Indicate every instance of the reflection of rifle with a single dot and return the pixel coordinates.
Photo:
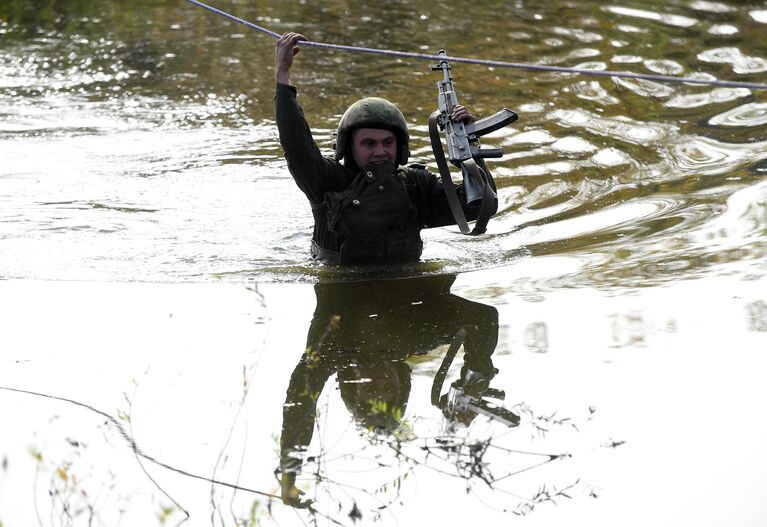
(466, 397)
(458, 405)
(462, 149)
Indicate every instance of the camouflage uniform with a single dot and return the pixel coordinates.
(353, 223)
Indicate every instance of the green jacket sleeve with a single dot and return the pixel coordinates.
(313, 173)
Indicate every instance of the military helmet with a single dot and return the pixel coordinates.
(373, 112)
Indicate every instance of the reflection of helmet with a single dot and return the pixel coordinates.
(376, 394)
(373, 112)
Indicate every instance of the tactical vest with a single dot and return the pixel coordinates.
(375, 218)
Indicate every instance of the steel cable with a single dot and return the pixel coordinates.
(493, 63)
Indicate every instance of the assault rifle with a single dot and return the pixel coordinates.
(467, 397)
(462, 149)
(463, 402)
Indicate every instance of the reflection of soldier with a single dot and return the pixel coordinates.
(364, 332)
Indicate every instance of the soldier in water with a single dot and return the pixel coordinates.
(368, 205)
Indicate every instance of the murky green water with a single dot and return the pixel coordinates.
(138, 139)
(154, 265)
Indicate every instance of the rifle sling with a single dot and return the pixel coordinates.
(447, 182)
(444, 172)
(447, 360)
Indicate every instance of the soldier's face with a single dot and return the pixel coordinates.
(374, 146)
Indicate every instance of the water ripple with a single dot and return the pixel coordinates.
(621, 128)
(752, 114)
(664, 67)
(578, 34)
(665, 18)
(593, 91)
(715, 96)
(711, 7)
(740, 63)
(723, 30)
(702, 155)
(646, 88)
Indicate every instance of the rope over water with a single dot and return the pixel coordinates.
(492, 63)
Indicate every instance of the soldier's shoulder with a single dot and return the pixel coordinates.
(418, 170)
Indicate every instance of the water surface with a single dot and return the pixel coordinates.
(155, 268)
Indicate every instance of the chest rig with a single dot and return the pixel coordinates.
(375, 218)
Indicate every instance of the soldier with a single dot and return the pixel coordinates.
(368, 205)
